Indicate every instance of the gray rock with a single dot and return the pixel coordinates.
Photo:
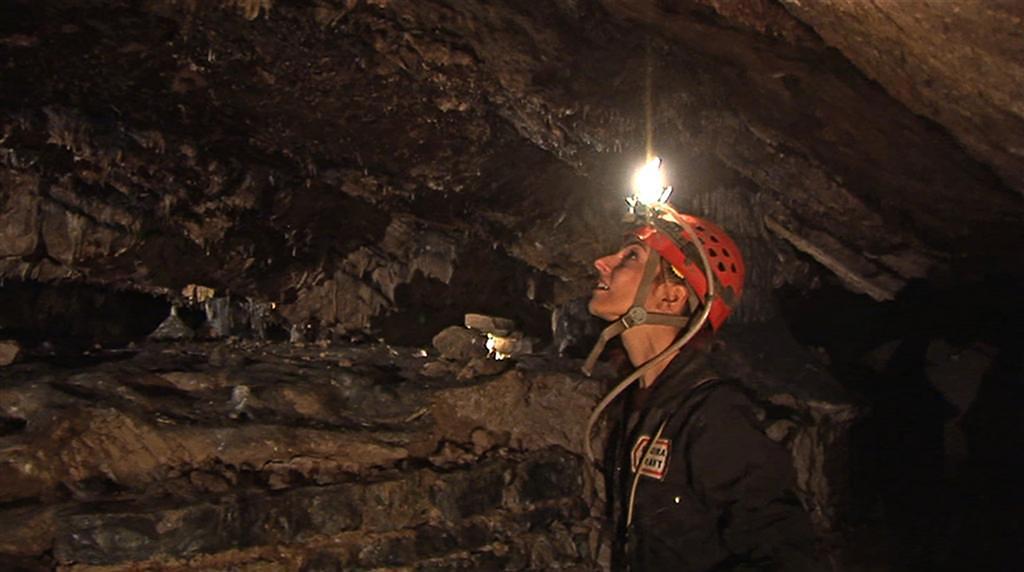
(419, 515)
(218, 317)
(172, 328)
(131, 534)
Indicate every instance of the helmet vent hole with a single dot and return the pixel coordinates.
(714, 238)
(732, 267)
(721, 267)
(712, 253)
(700, 228)
(725, 253)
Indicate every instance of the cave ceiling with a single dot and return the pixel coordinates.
(286, 151)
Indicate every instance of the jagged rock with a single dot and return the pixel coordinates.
(19, 222)
(484, 440)
(9, 352)
(197, 293)
(341, 301)
(108, 445)
(131, 533)
(512, 346)
(27, 531)
(416, 248)
(172, 328)
(218, 317)
(452, 454)
(490, 324)
(858, 273)
(531, 409)
(503, 455)
(481, 110)
(178, 419)
(460, 344)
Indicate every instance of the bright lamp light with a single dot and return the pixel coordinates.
(649, 183)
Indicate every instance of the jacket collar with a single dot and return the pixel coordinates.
(690, 367)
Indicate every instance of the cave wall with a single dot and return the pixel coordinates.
(366, 172)
(248, 455)
(273, 146)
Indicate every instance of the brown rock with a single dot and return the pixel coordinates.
(460, 344)
(484, 440)
(9, 352)
(436, 369)
(535, 410)
(480, 366)
(27, 531)
(110, 445)
(490, 324)
(959, 67)
(341, 300)
(19, 219)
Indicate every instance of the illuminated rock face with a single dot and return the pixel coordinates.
(295, 153)
(237, 453)
(355, 172)
(342, 453)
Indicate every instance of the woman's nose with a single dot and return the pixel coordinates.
(603, 264)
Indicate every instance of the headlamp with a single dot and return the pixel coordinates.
(649, 187)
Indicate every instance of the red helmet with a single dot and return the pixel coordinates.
(723, 254)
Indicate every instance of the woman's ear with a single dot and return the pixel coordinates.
(671, 298)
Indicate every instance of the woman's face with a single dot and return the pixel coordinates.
(619, 276)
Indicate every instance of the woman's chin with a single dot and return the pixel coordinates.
(596, 310)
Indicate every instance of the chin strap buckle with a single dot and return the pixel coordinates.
(634, 317)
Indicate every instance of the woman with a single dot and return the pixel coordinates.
(693, 482)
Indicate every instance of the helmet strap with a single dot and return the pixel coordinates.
(636, 315)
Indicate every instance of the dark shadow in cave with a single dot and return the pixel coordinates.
(75, 316)
(909, 500)
(485, 281)
(991, 492)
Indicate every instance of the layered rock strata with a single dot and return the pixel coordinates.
(246, 456)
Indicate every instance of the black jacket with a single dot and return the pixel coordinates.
(715, 493)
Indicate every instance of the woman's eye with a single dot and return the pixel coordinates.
(632, 255)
